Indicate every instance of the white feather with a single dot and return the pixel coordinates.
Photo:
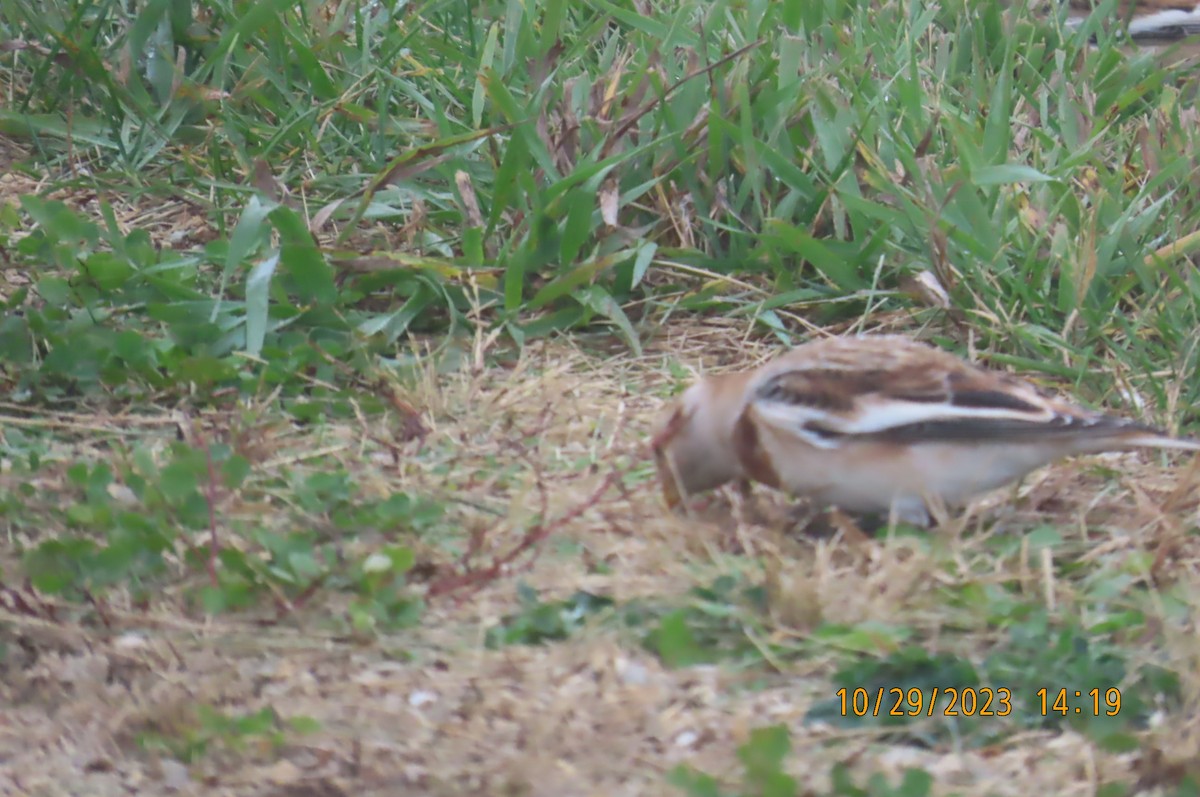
(881, 414)
(1149, 23)
(1164, 19)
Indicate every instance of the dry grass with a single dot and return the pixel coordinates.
(432, 711)
(521, 453)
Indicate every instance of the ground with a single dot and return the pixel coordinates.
(430, 709)
(637, 640)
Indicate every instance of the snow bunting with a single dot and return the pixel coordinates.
(877, 424)
(1151, 22)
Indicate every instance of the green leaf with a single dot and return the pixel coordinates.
(179, 480)
(1117, 742)
(304, 724)
(915, 783)
(486, 60)
(566, 284)
(55, 291)
(763, 755)
(234, 471)
(402, 558)
(515, 160)
(60, 222)
(513, 29)
(696, 784)
(581, 206)
(1008, 173)
(675, 644)
(302, 259)
(597, 299)
(304, 564)
(307, 61)
(823, 259)
(641, 264)
(249, 233)
(107, 270)
(247, 23)
(258, 285)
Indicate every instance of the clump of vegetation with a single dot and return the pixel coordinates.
(764, 755)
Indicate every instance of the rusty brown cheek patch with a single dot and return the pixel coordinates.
(667, 476)
(750, 452)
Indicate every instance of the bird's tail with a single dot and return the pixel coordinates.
(1151, 440)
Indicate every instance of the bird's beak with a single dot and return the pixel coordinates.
(667, 477)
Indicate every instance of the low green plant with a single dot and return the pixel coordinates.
(538, 621)
(710, 627)
(1029, 680)
(152, 520)
(763, 759)
(206, 729)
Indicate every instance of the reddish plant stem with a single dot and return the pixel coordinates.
(210, 498)
(474, 578)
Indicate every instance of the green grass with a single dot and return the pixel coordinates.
(606, 162)
(263, 228)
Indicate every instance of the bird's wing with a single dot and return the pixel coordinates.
(1177, 21)
(1153, 22)
(887, 388)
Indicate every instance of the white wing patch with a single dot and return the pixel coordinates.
(876, 413)
(879, 413)
(1160, 22)
(1172, 17)
(794, 419)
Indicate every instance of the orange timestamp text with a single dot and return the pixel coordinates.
(936, 701)
(1097, 701)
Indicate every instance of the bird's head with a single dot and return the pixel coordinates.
(693, 444)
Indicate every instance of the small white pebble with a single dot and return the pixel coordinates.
(902, 757)
(130, 641)
(377, 563)
(686, 739)
(85, 669)
(121, 494)
(174, 775)
(931, 289)
(632, 673)
(368, 678)
(420, 697)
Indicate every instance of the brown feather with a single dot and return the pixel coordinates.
(835, 374)
(754, 458)
(1139, 7)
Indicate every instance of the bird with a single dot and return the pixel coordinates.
(1151, 23)
(875, 425)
